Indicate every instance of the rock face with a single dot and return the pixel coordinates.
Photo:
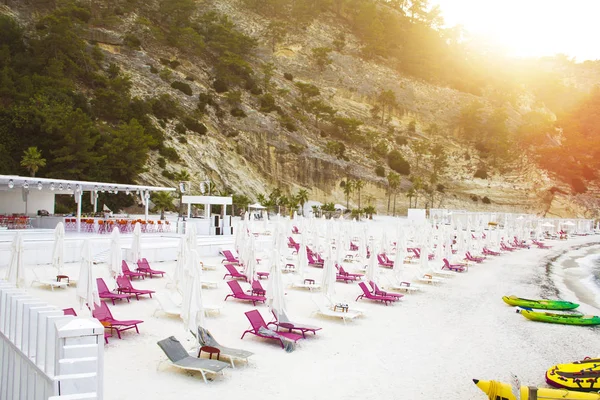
(256, 153)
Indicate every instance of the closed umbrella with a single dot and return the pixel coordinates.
(302, 259)
(136, 253)
(87, 289)
(116, 256)
(275, 294)
(328, 278)
(58, 251)
(191, 236)
(181, 265)
(192, 310)
(16, 273)
(371, 267)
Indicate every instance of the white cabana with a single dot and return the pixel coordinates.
(256, 206)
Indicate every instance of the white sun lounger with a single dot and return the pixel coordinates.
(329, 312)
(47, 281)
(423, 276)
(404, 285)
(166, 304)
(309, 286)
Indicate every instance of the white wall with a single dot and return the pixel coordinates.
(11, 201)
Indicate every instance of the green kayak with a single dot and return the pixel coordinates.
(540, 304)
(566, 319)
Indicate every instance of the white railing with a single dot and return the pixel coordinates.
(45, 354)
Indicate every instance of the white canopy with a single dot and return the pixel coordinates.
(257, 206)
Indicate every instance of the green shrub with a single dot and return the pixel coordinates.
(441, 188)
(132, 41)
(380, 171)
(164, 107)
(183, 87)
(220, 86)
(189, 78)
(168, 174)
(481, 173)
(398, 163)
(486, 200)
(174, 64)
(165, 74)
(169, 153)
(164, 61)
(288, 76)
(152, 69)
(267, 103)
(401, 140)
(238, 113)
(195, 126)
(296, 148)
(474, 198)
(182, 139)
(162, 163)
(180, 128)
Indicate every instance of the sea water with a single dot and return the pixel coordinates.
(589, 274)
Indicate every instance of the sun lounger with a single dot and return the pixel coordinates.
(309, 284)
(342, 271)
(257, 288)
(383, 262)
(39, 279)
(144, 268)
(126, 287)
(205, 338)
(380, 292)
(166, 304)
(423, 276)
(238, 293)
(489, 252)
(312, 261)
(260, 329)
(234, 273)
(107, 294)
(282, 321)
(471, 258)
(541, 245)
(104, 315)
(181, 359)
(129, 273)
(229, 258)
(454, 267)
(327, 311)
(371, 296)
(406, 286)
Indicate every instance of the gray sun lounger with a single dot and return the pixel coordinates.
(181, 359)
(205, 338)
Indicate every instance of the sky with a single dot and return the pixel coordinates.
(531, 28)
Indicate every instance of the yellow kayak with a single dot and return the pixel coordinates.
(500, 390)
(580, 375)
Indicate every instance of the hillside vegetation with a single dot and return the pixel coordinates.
(368, 102)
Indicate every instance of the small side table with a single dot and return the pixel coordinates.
(59, 278)
(262, 275)
(210, 350)
(285, 325)
(341, 307)
(309, 281)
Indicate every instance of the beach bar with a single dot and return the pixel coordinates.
(24, 196)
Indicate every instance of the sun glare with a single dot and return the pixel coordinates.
(530, 28)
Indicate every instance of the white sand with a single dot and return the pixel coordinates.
(428, 346)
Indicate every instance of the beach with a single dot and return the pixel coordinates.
(429, 345)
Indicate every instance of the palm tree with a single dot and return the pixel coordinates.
(302, 198)
(32, 160)
(181, 176)
(359, 184)
(163, 201)
(369, 211)
(394, 183)
(348, 189)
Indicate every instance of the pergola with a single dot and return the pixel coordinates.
(27, 185)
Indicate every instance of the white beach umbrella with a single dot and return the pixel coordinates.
(192, 310)
(372, 265)
(15, 273)
(116, 255)
(136, 243)
(275, 293)
(191, 236)
(302, 264)
(87, 288)
(328, 278)
(384, 246)
(58, 251)
(182, 263)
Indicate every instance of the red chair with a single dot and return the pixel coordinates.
(238, 293)
(257, 322)
(104, 315)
